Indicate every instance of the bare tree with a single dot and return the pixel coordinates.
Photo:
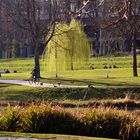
(120, 19)
(117, 19)
(36, 18)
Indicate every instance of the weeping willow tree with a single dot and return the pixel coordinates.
(69, 49)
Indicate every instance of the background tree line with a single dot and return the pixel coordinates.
(35, 21)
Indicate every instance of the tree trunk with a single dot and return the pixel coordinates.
(72, 63)
(37, 63)
(72, 54)
(135, 73)
(56, 64)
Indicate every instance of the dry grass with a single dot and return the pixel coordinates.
(98, 122)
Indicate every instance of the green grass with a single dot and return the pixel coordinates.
(16, 93)
(118, 78)
(47, 136)
(121, 62)
(120, 81)
(27, 64)
(19, 64)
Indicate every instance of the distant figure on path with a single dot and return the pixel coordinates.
(34, 74)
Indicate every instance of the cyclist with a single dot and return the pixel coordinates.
(34, 74)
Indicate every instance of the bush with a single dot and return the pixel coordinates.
(44, 119)
(97, 122)
(10, 119)
(111, 123)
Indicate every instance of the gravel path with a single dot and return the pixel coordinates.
(26, 83)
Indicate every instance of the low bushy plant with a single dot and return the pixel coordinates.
(44, 119)
(97, 122)
(111, 123)
(10, 119)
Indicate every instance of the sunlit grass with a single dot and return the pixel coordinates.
(118, 78)
(47, 136)
(121, 76)
(97, 77)
(16, 93)
(27, 64)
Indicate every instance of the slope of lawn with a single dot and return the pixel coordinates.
(47, 136)
(16, 93)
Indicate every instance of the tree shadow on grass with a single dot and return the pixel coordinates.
(67, 81)
(3, 85)
(70, 81)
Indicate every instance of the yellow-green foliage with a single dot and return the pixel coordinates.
(69, 49)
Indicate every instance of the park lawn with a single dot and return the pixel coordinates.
(121, 77)
(48, 136)
(120, 62)
(19, 64)
(16, 93)
(27, 64)
(118, 77)
(19, 93)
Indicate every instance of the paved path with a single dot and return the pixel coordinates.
(26, 83)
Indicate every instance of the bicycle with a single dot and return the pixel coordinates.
(34, 80)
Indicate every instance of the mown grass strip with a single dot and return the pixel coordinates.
(18, 93)
(48, 136)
